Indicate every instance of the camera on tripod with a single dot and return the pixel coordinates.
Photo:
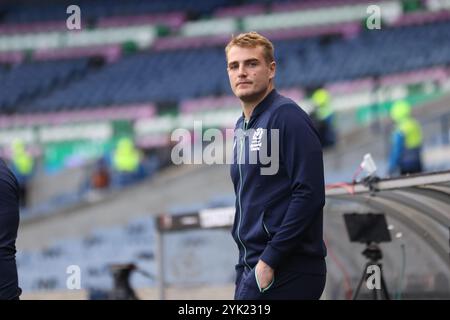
(371, 229)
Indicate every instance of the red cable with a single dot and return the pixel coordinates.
(348, 289)
(350, 188)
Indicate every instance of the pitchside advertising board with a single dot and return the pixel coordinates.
(204, 219)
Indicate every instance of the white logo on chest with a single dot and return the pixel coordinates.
(256, 140)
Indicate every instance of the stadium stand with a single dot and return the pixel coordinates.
(302, 63)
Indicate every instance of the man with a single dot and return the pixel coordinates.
(9, 223)
(127, 162)
(406, 145)
(278, 224)
(323, 117)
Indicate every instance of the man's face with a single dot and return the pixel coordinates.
(249, 73)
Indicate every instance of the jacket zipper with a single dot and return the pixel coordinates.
(239, 195)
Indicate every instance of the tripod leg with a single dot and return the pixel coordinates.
(375, 294)
(363, 277)
(383, 285)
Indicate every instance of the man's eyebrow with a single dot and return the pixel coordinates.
(245, 61)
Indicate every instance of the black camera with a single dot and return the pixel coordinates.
(367, 228)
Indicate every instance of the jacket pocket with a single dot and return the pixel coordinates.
(264, 226)
(260, 231)
(262, 290)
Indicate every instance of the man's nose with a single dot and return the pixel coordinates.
(242, 72)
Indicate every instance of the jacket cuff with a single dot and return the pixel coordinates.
(271, 256)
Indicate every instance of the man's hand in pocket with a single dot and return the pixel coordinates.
(264, 274)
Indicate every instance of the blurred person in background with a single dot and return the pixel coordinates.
(406, 145)
(278, 225)
(127, 162)
(22, 164)
(323, 117)
(100, 176)
(9, 224)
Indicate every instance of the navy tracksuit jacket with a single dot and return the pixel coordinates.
(279, 217)
(9, 223)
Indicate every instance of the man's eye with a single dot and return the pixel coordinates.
(232, 67)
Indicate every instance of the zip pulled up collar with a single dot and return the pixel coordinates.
(260, 108)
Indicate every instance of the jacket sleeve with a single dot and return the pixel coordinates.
(301, 153)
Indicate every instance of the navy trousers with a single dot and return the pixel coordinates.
(287, 285)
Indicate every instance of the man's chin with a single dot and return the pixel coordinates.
(247, 96)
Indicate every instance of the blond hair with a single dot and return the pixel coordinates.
(252, 40)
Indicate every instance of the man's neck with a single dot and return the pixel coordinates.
(249, 106)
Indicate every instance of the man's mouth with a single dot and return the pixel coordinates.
(243, 82)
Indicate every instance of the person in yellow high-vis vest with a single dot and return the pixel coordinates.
(22, 166)
(126, 161)
(323, 117)
(406, 148)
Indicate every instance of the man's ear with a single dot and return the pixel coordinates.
(272, 68)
